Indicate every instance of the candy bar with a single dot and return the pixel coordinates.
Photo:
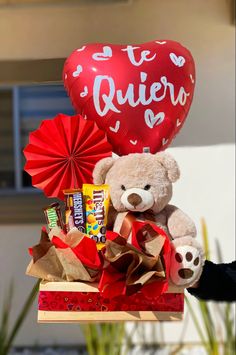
(74, 210)
(53, 215)
(96, 199)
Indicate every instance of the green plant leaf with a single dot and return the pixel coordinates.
(209, 326)
(209, 334)
(219, 252)
(104, 338)
(120, 337)
(196, 323)
(21, 317)
(5, 318)
(205, 238)
(87, 332)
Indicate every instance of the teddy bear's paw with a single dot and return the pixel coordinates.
(186, 263)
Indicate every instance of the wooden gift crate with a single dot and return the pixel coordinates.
(76, 302)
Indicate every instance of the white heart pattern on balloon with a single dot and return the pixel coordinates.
(77, 72)
(104, 55)
(178, 61)
(153, 120)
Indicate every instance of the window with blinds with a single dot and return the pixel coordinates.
(37, 103)
(22, 108)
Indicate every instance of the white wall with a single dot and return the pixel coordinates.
(206, 189)
(53, 31)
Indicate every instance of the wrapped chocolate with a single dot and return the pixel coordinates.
(75, 216)
(53, 215)
(96, 200)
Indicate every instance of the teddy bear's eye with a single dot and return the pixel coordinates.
(123, 187)
(147, 187)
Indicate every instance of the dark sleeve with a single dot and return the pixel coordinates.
(217, 282)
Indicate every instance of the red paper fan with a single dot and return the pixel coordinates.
(62, 153)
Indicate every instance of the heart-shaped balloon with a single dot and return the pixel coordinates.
(139, 94)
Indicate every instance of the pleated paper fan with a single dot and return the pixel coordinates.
(62, 153)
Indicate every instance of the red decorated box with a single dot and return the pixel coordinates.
(82, 302)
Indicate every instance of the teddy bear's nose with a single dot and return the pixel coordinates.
(134, 199)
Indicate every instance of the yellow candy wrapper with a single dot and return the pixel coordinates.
(96, 201)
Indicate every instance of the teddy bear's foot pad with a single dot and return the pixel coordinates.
(186, 262)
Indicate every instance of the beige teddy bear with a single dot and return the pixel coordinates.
(142, 184)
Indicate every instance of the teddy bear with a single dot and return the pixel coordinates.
(141, 188)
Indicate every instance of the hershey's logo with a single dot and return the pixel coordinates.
(78, 209)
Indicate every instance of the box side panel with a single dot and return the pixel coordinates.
(94, 301)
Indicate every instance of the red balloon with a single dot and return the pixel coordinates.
(139, 94)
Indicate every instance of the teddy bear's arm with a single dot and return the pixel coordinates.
(178, 223)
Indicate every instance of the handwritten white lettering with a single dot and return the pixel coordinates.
(107, 99)
(116, 97)
(144, 55)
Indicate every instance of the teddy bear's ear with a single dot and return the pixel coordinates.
(170, 165)
(101, 169)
